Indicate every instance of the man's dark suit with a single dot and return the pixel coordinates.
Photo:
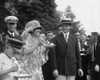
(47, 67)
(3, 39)
(97, 59)
(97, 55)
(67, 59)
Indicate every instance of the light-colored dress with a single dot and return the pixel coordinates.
(34, 60)
(6, 63)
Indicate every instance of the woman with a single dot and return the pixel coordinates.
(34, 50)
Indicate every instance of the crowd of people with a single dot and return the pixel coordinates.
(36, 55)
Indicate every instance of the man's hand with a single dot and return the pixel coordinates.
(80, 72)
(55, 73)
(97, 68)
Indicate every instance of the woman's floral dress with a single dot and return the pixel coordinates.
(35, 60)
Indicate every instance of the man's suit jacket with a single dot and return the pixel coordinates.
(91, 53)
(3, 39)
(67, 58)
(97, 54)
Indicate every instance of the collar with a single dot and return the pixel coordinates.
(4, 56)
(11, 33)
(66, 34)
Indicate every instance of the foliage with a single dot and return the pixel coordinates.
(77, 24)
(42, 10)
(26, 10)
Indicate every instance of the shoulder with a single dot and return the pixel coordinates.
(2, 34)
(2, 37)
(2, 55)
(73, 36)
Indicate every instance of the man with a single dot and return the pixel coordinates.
(67, 60)
(11, 30)
(59, 29)
(7, 67)
(96, 75)
(83, 53)
(77, 34)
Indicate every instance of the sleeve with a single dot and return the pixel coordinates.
(1, 63)
(78, 55)
(52, 53)
(24, 35)
(97, 54)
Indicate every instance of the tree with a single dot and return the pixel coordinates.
(3, 13)
(26, 10)
(77, 24)
(42, 10)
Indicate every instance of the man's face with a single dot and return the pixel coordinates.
(11, 26)
(60, 30)
(66, 28)
(77, 35)
(50, 36)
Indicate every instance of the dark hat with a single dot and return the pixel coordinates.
(15, 43)
(66, 21)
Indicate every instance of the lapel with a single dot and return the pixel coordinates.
(62, 39)
(10, 34)
(70, 40)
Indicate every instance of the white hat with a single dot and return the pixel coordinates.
(11, 19)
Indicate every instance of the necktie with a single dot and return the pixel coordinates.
(12, 34)
(66, 38)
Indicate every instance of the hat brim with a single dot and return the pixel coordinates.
(66, 22)
(18, 50)
(38, 27)
(11, 21)
(15, 43)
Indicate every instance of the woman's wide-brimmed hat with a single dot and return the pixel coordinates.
(34, 24)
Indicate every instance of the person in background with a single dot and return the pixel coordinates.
(10, 30)
(67, 61)
(78, 36)
(92, 58)
(59, 29)
(47, 67)
(7, 67)
(50, 35)
(83, 53)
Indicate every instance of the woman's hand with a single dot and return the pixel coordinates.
(29, 29)
(14, 68)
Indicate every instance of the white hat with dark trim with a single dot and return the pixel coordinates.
(11, 19)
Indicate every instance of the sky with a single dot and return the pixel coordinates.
(86, 11)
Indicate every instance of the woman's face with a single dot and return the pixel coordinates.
(37, 32)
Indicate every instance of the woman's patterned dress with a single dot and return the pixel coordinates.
(35, 60)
